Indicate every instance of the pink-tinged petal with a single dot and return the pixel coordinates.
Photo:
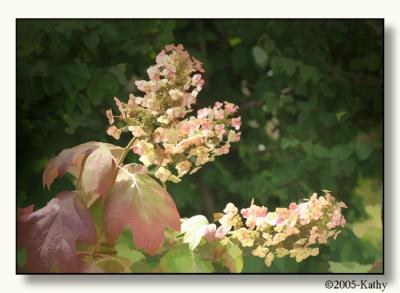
(218, 105)
(209, 232)
(110, 116)
(236, 123)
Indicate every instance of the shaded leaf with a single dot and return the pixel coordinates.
(341, 152)
(98, 174)
(307, 146)
(285, 64)
(50, 234)
(309, 73)
(139, 202)
(260, 56)
(363, 150)
(71, 160)
(321, 151)
(91, 39)
(289, 142)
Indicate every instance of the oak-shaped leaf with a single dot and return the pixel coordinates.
(72, 160)
(137, 201)
(98, 174)
(51, 233)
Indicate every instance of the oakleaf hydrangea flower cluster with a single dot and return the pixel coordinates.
(165, 135)
(292, 231)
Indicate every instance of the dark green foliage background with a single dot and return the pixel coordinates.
(310, 94)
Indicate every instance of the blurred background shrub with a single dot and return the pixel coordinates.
(310, 94)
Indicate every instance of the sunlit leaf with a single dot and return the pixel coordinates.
(183, 260)
(194, 228)
(137, 201)
(125, 251)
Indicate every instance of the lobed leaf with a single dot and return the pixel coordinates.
(124, 251)
(72, 160)
(183, 260)
(137, 201)
(98, 174)
(50, 234)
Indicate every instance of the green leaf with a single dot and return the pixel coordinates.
(363, 150)
(233, 257)
(141, 267)
(91, 39)
(96, 211)
(84, 104)
(321, 151)
(341, 152)
(307, 146)
(103, 86)
(182, 260)
(235, 41)
(348, 166)
(309, 73)
(21, 256)
(125, 238)
(289, 142)
(341, 115)
(372, 62)
(260, 56)
(111, 264)
(124, 251)
(287, 65)
(348, 267)
(327, 119)
(269, 45)
(52, 86)
(272, 101)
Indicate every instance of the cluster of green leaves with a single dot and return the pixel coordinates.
(310, 94)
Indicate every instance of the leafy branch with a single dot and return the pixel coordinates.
(111, 196)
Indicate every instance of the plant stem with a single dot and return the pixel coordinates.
(126, 150)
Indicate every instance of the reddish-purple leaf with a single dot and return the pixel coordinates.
(137, 201)
(98, 174)
(50, 234)
(71, 160)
